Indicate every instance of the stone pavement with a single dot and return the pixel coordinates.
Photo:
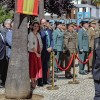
(82, 91)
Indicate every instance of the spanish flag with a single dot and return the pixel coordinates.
(29, 7)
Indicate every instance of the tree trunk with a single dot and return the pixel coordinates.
(18, 82)
(41, 9)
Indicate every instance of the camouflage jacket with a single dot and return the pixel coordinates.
(70, 41)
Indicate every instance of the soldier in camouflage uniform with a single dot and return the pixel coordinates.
(70, 46)
(75, 27)
(92, 33)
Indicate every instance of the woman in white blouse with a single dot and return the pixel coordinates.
(35, 48)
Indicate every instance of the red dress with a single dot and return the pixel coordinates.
(35, 64)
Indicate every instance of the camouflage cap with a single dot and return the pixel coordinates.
(70, 24)
(74, 23)
(92, 22)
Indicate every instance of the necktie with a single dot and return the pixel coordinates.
(47, 39)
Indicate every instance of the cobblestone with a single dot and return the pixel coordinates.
(82, 91)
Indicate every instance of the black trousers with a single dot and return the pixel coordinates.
(66, 56)
(3, 69)
(97, 90)
(45, 64)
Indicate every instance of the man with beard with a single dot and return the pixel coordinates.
(46, 35)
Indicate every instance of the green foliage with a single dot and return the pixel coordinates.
(4, 14)
(97, 1)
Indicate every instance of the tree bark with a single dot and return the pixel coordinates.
(18, 82)
(41, 9)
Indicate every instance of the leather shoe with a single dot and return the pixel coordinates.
(40, 84)
(69, 76)
(83, 73)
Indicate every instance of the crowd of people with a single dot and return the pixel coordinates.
(43, 38)
(64, 40)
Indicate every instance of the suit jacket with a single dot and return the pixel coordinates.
(83, 40)
(58, 37)
(2, 48)
(96, 57)
(91, 32)
(32, 41)
(3, 31)
(8, 43)
(70, 41)
(47, 39)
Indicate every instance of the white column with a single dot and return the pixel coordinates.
(79, 2)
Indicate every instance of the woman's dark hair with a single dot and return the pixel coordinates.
(34, 24)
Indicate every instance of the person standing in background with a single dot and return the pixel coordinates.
(8, 51)
(83, 45)
(9, 42)
(75, 27)
(35, 48)
(92, 33)
(3, 61)
(96, 64)
(46, 35)
(70, 46)
(4, 31)
(58, 38)
(6, 27)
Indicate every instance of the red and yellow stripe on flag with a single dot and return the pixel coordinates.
(29, 7)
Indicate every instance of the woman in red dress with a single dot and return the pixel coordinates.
(34, 48)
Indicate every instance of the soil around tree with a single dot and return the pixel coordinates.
(34, 97)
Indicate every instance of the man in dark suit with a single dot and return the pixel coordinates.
(96, 63)
(3, 61)
(47, 40)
